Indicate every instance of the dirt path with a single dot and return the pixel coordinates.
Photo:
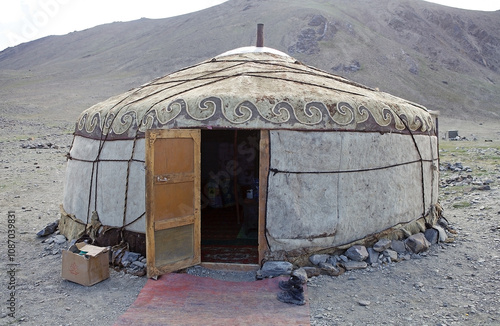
(455, 283)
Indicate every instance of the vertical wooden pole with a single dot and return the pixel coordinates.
(263, 174)
(150, 243)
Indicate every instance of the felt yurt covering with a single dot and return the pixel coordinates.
(346, 161)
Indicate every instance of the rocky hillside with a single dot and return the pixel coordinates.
(446, 59)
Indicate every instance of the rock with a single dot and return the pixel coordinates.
(417, 243)
(331, 270)
(312, 271)
(48, 229)
(415, 256)
(343, 259)
(441, 233)
(116, 256)
(138, 264)
(413, 66)
(317, 20)
(59, 239)
(443, 222)
(334, 260)
(131, 256)
(393, 255)
(136, 271)
(405, 256)
(316, 259)
(357, 253)
(382, 245)
(351, 265)
(364, 303)
(301, 274)
(398, 246)
(372, 256)
(275, 268)
(432, 235)
(307, 43)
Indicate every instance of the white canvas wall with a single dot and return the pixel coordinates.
(303, 209)
(329, 209)
(111, 182)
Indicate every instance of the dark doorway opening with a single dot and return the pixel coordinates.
(229, 196)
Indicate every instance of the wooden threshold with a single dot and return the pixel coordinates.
(231, 267)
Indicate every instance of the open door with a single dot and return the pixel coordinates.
(172, 200)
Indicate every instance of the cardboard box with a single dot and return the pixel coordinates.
(87, 269)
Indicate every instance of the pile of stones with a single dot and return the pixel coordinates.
(46, 145)
(455, 167)
(55, 244)
(131, 262)
(460, 179)
(384, 251)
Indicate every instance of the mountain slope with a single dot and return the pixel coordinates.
(446, 59)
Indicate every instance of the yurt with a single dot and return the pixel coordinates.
(247, 157)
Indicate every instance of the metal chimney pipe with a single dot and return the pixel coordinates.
(260, 35)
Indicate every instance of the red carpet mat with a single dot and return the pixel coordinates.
(183, 299)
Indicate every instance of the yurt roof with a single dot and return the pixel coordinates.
(252, 88)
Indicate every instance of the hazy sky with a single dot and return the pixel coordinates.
(25, 20)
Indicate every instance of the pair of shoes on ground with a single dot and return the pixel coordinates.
(293, 292)
(292, 282)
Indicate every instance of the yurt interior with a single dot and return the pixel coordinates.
(229, 199)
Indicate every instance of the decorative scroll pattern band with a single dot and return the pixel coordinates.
(370, 115)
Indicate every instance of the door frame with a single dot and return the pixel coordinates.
(264, 157)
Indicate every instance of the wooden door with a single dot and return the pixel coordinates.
(173, 191)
